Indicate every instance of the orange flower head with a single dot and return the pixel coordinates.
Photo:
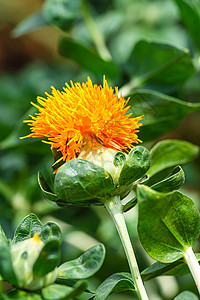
(82, 115)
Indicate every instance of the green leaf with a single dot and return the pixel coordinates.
(177, 268)
(167, 66)
(169, 153)
(48, 259)
(6, 267)
(31, 23)
(87, 58)
(27, 228)
(22, 295)
(3, 238)
(58, 291)
(82, 182)
(135, 166)
(84, 266)
(191, 17)
(171, 183)
(61, 13)
(168, 223)
(51, 231)
(118, 282)
(186, 295)
(46, 189)
(162, 113)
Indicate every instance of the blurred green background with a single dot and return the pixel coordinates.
(31, 63)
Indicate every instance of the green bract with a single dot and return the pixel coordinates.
(79, 180)
(82, 182)
(135, 166)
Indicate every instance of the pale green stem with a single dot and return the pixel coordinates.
(193, 265)
(95, 34)
(114, 208)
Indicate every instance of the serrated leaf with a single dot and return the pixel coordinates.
(115, 283)
(31, 23)
(27, 228)
(136, 165)
(87, 58)
(51, 231)
(84, 266)
(191, 17)
(162, 113)
(83, 182)
(169, 153)
(168, 65)
(168, 223)
(186, 295)
(177, 268)
(48, 258)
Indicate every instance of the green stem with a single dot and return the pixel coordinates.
(95, 34)
(193, 265)
(114, 208)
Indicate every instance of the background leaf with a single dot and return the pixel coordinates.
(168, 65)
(115, 283)
(61, 13)
(169, 153)
(84, 266)
(189, 11)
(186, 295)
(162, 113)
(33, 22)
(87, 58)
(168, 223)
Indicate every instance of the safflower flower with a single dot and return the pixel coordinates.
(84, 116)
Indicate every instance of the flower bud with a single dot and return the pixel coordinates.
(107, 158)
(24, 255)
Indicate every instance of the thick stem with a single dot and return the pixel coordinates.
(114, 208)
(193, 265)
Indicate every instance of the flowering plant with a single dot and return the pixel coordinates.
(99, 164)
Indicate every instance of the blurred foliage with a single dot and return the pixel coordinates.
(150, 49)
